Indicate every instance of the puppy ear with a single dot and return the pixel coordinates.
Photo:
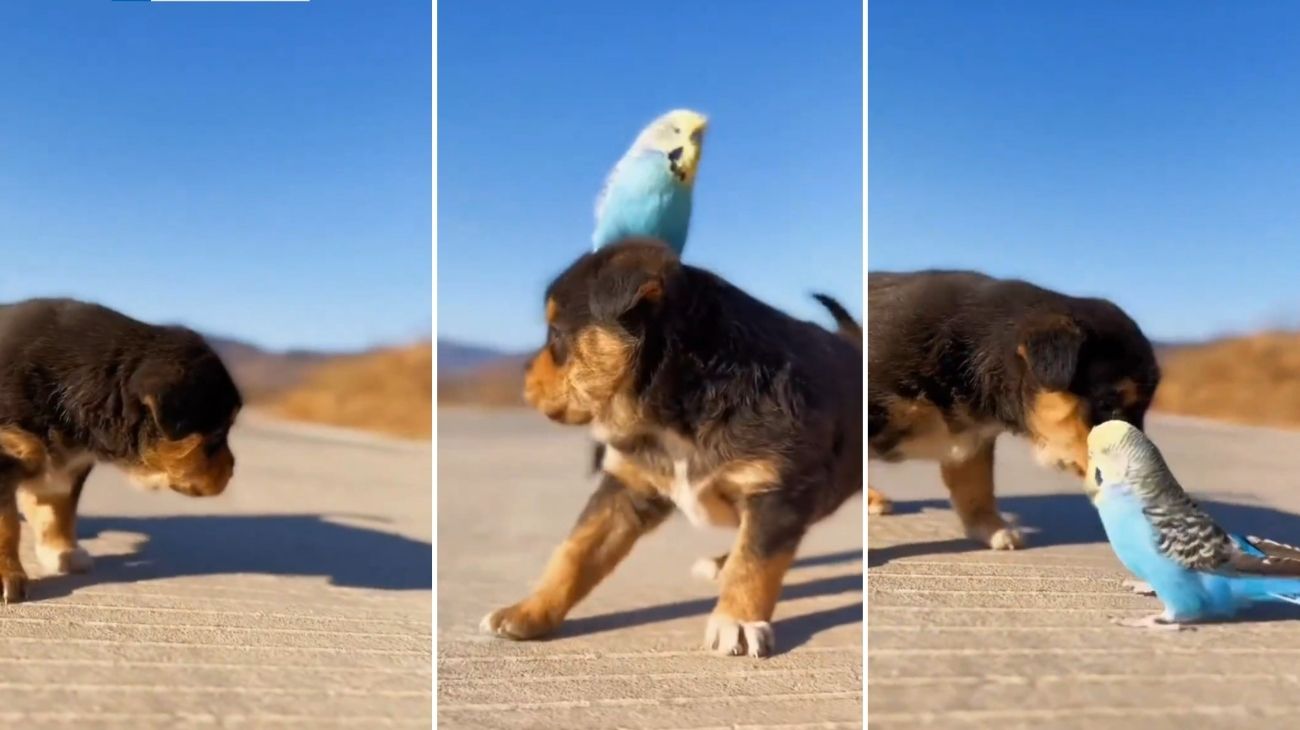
(1049, 345)
(634, 283)
(150, 385)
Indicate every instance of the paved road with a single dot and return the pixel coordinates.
(967, 638)
(300, 598)
(509, 486)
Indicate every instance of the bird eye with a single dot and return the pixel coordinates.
(677, 130)
(1096, 476)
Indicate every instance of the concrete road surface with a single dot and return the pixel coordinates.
(961, 637)
(510, 485)
(299, 598)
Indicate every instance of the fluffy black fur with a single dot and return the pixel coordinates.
(82, 373)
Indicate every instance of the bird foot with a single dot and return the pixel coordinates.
(1154, 621)
(1140, 587)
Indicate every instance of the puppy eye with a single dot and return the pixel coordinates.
(1096, 476)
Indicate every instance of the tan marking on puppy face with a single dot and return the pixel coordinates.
(585, 384)
(26, 448)
(551, 309)
(1058, 426)
(185, 466)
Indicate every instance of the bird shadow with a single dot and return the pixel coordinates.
(306, 545)
(791, 632)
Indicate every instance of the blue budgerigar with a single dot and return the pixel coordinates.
(1199, 571)
(649, 191)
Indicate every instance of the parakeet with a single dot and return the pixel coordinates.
(1198, 571)
(648, 193)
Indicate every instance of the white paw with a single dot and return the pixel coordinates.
(61, 562)
(1006, 538)
(1140, 587)
(729, 637)
(705, 569)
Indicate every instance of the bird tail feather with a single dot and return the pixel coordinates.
(1286, 590)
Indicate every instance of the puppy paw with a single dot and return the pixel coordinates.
(707, 568)
(13, 586)
(997, 535)
(731, 637)
(1007, 538)
(64, 561)
(520, 622)
(878, 504)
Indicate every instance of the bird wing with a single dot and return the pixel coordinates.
(1188, 535)
(1256, 555)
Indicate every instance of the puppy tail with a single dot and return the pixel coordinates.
(849, 327)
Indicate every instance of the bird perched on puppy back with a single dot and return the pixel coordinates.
(649, 191)
(1198, 570)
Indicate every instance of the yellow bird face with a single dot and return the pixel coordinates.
(679, 134)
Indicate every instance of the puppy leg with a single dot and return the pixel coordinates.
(53, 517)
(613, 519)
(877, 503)
(770, 531)
(13, 578)
(970, 483)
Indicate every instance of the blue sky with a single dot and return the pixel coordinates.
(256, 170)
(1145, 151)
(536, 101)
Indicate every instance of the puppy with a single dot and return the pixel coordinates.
(956, 358)
(81, 384)
(709, 402)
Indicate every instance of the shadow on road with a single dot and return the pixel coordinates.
(1070, 519)
(797, 629)
(290, 545)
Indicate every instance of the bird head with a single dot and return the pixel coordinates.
(679, 135)
(1120, 456)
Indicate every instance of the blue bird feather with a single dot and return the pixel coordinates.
(644, 198)
(1199, 571)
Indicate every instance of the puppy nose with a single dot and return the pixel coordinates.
(675, 155)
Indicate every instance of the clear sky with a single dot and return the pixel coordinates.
(536, 101)
(1145, 151)
(255, 170)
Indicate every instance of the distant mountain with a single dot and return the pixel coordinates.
(261, 373)
(456, 356)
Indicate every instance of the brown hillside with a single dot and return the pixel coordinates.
(498, 384)
(389, 391)
(1253, 380)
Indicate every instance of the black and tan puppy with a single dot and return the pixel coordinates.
(709, 402)
(81, 384)
(956, 358)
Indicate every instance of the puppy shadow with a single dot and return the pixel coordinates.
(846, 556)
(301, 545)
(791, 632)
(1070, 519)
(880, 556)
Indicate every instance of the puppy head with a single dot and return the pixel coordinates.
(190, 403)
(1086, 364)
(598, 313)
